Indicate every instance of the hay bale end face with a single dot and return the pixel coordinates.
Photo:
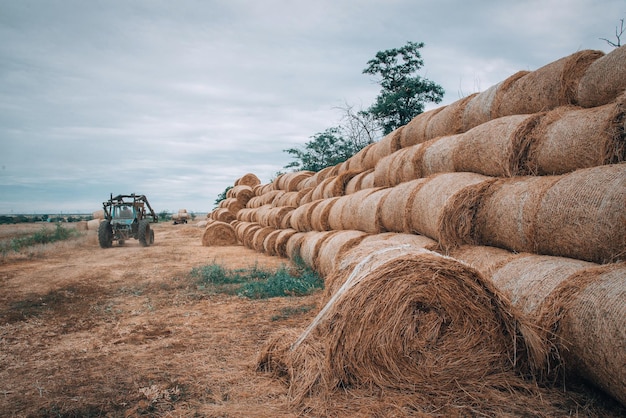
(421, 323)
(219, 234)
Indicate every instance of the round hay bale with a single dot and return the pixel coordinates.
(603, 80)
(496, 148)
(233, 204)
(318, 191)
(354, 185)
(276, 216)
(93, 224)
(247, 238)
(570, 138)
(449, 120)
(333, 249)
(269, 243)
(582, 215)
(444, 207)
(248, 180)
(310, 247)
(357, 161)
(259, 237)
(506, 215)
(414, 132)
(550, 86)
(301, 216)
(350, 206)
(483, 258)
(247, 215)
(280, 244)
(528, 279)
(99, 214)
(292, 247)
(368, 217)
(219, 234)
(385, 170)
(223, 215)
(389, 144)
(320, 214)
(204, 223)
(291, 181)
(587, 315)
(242, 193)
(391, 239)
(409, 164)
(336, 186)
(478, 109)
(367, 182)
(436, 156)
(418, 322)
(394, 208)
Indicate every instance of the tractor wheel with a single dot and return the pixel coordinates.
(151, 236)
(105, 234)
(144, 233)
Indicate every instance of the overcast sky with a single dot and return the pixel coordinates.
(178, 99)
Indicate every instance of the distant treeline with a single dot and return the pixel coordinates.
(17, 219)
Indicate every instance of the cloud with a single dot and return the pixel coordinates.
(177, 100)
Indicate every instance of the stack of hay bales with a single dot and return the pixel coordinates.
(520, 188)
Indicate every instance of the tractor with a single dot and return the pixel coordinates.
(126, 217)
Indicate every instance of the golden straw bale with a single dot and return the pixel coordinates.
(248, 180)
(529, 278)
(318, 191)
(394, 208)
(436, 156)
(223, 215)
(385, 170)
(357, 161)
(259, 237)
(311, 244)
(478, 109)
(368, 218)
(421, 323)
(93, 224)
(301, 216)
(604, 79)
(444, 207)
(550, 86)
(354, 185)
(219, 234)
(333, 249)
(274, 216)
(367, 182)
(582, 215)
(414, 132)
(506, 215)
(408, 164)
(450, 120)
(320, 214)
(280, 244)
(587, 314)
(232, 204)
(248, 235)
(269, 243)
(242, 193)
(293, 244)
(291, 181)
(570, 138)
(496, 148)
(247, 215)
(99, 214)
(389, 144)
(483, 258)
(350, 206)
(337, 185)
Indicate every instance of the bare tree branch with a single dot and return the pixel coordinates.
(618, 35)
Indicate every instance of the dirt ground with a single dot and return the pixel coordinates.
(124, 331)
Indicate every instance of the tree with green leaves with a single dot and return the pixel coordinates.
(403, 92)
(326, 149)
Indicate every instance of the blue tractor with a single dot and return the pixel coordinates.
(126, 217)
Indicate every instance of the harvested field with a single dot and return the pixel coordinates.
(120, 332)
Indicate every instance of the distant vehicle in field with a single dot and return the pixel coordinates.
(125, 217)
(181, 217)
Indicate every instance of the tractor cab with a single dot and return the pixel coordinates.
(123, 214)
